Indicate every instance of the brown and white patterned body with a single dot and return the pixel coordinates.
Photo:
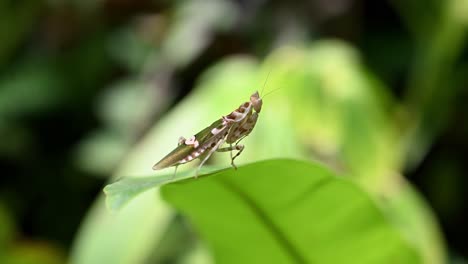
(244, 119)
(230, 129)
(218, 133)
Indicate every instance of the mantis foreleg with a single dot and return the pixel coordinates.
(240, 148)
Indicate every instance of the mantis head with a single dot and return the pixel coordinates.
(256, 101)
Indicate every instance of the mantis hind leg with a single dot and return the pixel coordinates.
(230, 152)
(207, 156)
(175, 172)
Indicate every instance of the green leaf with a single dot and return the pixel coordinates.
(287, 211)
(122, 191)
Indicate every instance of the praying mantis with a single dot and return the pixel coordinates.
(230, 129)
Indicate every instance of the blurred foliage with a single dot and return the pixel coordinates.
(13, 251)
(430, 88)
(306, 95)
(371, 90)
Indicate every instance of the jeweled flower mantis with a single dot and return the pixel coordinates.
(229, 129)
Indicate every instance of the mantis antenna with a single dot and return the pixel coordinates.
(264, 84)
(271, 91)
(266, 80)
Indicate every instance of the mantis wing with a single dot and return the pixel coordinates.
(183, 150)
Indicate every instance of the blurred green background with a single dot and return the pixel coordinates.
(94, 91)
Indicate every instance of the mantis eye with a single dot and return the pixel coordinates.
(256, 101)
(257, 105)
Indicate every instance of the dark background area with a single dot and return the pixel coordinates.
(63, 52)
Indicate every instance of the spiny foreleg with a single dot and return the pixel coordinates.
(239, 148)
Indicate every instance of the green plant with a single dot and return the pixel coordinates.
(331, 110)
